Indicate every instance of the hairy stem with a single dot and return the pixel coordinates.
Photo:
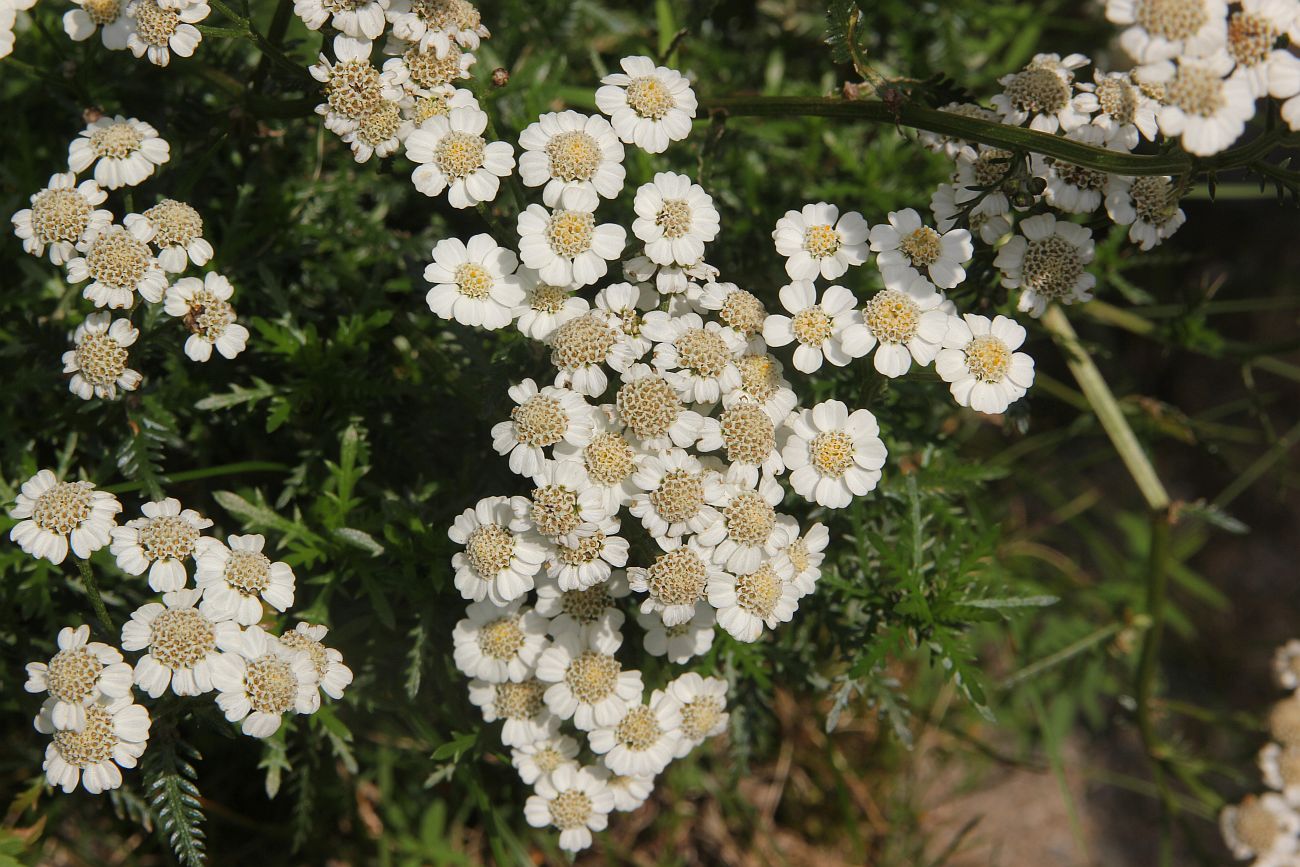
(96, 600)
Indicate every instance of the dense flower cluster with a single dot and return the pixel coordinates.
(139, 259)
(192, 640)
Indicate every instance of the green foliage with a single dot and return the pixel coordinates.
(170, 785)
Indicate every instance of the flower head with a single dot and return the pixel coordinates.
(159, 542)
(980, 362)
(182, 638)
(117, 266)
(818, 327)
(77, 676)
(575, 158)
(204, 305)
(236, 580)
(98, 358)
(176, 229)
(61, 217)
(475, 283)
(675, 218)
(123, 151)
(575, 801)
(54, 515)
(162, 28)
(1048, 262)
(113, 736)
(501, 553)
(259, 679)
(498, 644)
(818, 241)
(907, 248)
(833, 454)
(568, 247)
(453, 156)
(649, 106)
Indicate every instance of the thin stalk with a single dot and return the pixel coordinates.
(1262, 465)
(1157, 582)
(205, 473)
(1033, 669)
(96, 600)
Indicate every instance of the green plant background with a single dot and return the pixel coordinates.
(997, 574)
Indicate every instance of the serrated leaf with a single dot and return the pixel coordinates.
(360, 539)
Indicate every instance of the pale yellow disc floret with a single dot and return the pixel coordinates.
(101, 359)
(570, 233)
(63, 508)
(168, 537)
(592, 676)
(648, 97)
(831, 453)
(987, 358)
(60, 215)
(270, 684)
(1052, 267)
(459, 154)
(90, 746)
(678, 577)
(73, 674)
(502, 638)
(892, 316)
(573, 156)
(639, 729)
(181, 638)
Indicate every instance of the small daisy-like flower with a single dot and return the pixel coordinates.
(379, 132)
(761, 383)
(586, 682)
(582, 347)
(91, 15)
(453, 156)
(419, 107)
(54, 515)
(944, 205)
(1162, 29)
(675, 218)
(204, 305)
(543, 757)
(649, 106)
(676, 582)
(746, 603)
(475, 283)
(565, 507)
(1286, 665)
(678, 496)
(682, 642)
(609, 459)
(99, 357)
(625, 306)
(800, 562)
(422, 69)
(114, 736)
(748, 434)
(499, 644)
(817, 326)
(981, 365)
(902, 325)
(437, 23)
(750, 530)
(332, 674)
(117, 266)
(630, 791)
(589, 560)
(259, 680)
(573, 800)
(541, 419)
(908, 248)
(176, 229)
(1070, 188)
(1124, 111)
(643, 741)
(568, 247)
(353, 87)
(576, 158)
(236, 580)
(76, 676)
(1284, 721)
(834, 455)
(360, 19)
(1148, 205)
(739, 310)
(1203, 106)
(697, 357)
(703, 702)
(653, 412)
(182, 642)
(980, 175)
(525, 717)
(671, 280)
(501, 556)
(545, 307)
(1043, 94)
(124, 152)
(582, 608)
(1047, 260)
(1263, 827)
(818, 241)
(1280, 768)
(161, 30)
(61, 217)
(160, 542)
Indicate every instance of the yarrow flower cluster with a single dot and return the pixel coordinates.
(191, 641)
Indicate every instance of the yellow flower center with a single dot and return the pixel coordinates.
(117, 140)
(175, 224)
(270, 684)
(502, 638)
(608, 459)
(154, 24)
(489, 549)
(570, 232)
(759, 591)
(101, 359)
(674, 218)
(679, 496)
(581, 342)
(1197, 90)
(700, 716)
(118, 260)
(743, 312)
(703, 352)
(1172, 19)
(821, 241)
(1052, 267)
(574, 156)
(555, 510)
(748, 434)
(812, 327)
(648, 97)
(90, 746)
(892, 316)
(63, 508)
(473, 281)
(354, 88)
(248, 572)
(987, 358)
(1039, 89)
(639, 729)
(168, 537)
(570, 809)
(60, 215)
(831, 453)
(592, 676)
(750, 518)
(521, 701)
(921, 247)
(181, 638)
(678, 577)
(459, 154)
(648, 406)
(540, 421)
(73, 674)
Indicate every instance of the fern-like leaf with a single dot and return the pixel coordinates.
(174, 797)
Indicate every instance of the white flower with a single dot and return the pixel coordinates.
(176, 229)
(587, 683)
(124, 152)
(1202, 107)
(625, 306)
(746, 603)
(589, 561)
(182, 642)
(681, 642)
(436, 23)
(90, 15)
(697, 357)
(1148, 205)
(990, 227)
(568, 247)
(419, 106)
(499, 644)
(1263, 827)
(541, 758)
(519, 706)
(908, 248)
(1047, 260)
(678, 496)
(676, 581)
(800, 562)
(750, 530)
(333, 675)
(902, 324)
(76, 676)
(259, 680)
(114, 736)
(1070, 188)
(378, 132)
(648, 105)
(1163, 29)
(454, 156)
(817, 240)
(161, 29)
(703, 702)
(575, 157)
(675, 218)
(609, 459)
(360, 19)
(475, 283)
(980, 362)
(545, 307)
(61, 217)
(980, 175)
(236, 580)
(99, 357)
(834, 455)
(8, 17)
(1124, 111)
(541, 419)
(818, 327)
(501, 556)
(53, 514)
(573, 800)
(643, 741)
(739, 310)
(159, 542)
(653, 412)
(420, 70)
(118, 266)
(747, 432)
(630, 792)
(761, 383)
(582, 346)
(204, 305)
(1280, 767)
(1286, 665)
(671, 280)
(353, 87)
(582, 608)
(565, 507)
(1043, 94)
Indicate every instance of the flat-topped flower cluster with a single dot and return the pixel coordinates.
(191, 641)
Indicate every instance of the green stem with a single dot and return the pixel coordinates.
(1033, 669)
(96, 600)
(1157, 584)
(1262, 465)
(205, 473)
(992, 133)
